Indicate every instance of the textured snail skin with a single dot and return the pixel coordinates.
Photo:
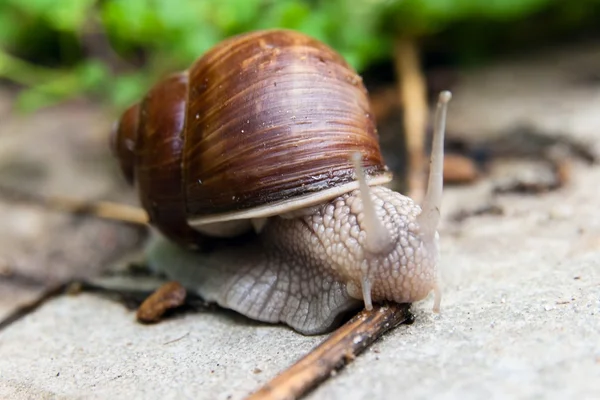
(307, 271)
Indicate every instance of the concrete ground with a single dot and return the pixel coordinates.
(520, 313)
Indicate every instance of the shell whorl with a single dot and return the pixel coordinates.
(262, 122)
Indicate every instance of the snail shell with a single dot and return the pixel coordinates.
(262, 124)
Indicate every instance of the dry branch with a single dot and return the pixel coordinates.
(334, 353)
(412, 89)
(100, 209)
(28, 308)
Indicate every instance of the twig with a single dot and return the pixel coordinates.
(412, 89)
(27, 309)
(69, 287)
(95, 43)
(334, 353)
(177, 340)
(101, 209)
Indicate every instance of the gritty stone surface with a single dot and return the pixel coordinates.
(520, 314)
(86, 347)
(555, 93)
(61, 151)
(520, 309)
(520, 319)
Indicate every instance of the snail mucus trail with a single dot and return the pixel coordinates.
(308, 260)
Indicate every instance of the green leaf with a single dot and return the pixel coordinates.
(128, 89)
(69, 15)
(64, 15)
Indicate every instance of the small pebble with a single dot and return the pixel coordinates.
(168, 296)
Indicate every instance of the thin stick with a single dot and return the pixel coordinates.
(101, 209)
(412, 89)
(29, 308)
(334, 353)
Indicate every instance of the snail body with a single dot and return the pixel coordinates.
(267, 143)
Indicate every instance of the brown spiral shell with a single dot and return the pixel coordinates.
(261, 124)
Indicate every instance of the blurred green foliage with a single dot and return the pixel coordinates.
(114, 49)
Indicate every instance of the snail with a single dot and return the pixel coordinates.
(266, 149)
